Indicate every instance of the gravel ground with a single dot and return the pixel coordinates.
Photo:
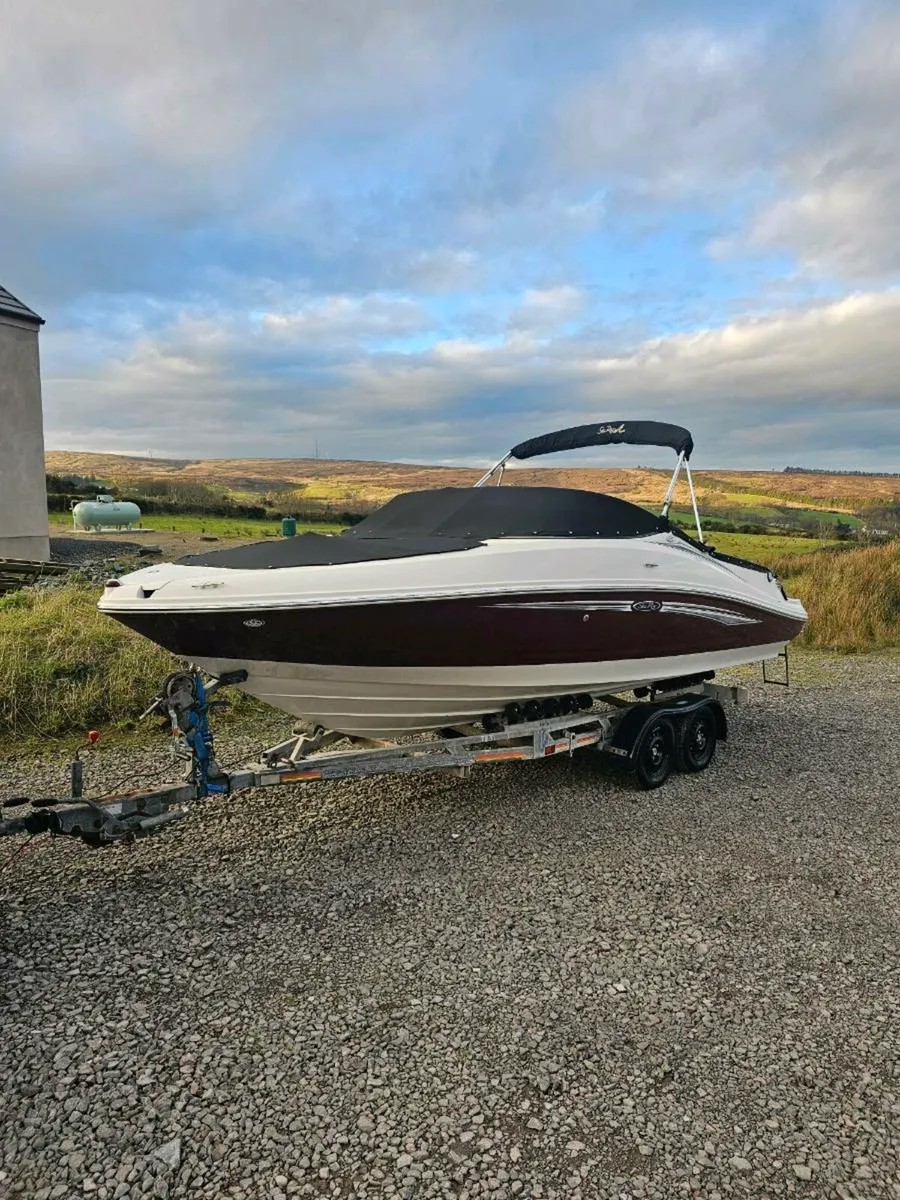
(78, 550)
(534, 982)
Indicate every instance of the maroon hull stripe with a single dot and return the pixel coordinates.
(509, 630)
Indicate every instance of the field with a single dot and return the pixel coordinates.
(343, 480)
(763, 548)
(852, 596)
(226, 528)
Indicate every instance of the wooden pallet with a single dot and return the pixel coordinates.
(19, 572)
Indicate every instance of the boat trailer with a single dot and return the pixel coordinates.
(675, 729)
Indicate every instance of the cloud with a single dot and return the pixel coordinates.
(679, 115)
(801, 131)
(763, 391)
(410, 229)
(544, 310)
(836, 182)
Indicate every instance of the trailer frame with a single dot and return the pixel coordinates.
(619, 731)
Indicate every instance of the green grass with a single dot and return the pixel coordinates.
(851, 595)
(761, 547)
(66, 667)
(231, 527)
(799, 521)
(226, 527)
(828, 518)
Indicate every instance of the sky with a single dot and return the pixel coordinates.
(423, 231)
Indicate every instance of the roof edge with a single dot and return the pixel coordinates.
(11, 306)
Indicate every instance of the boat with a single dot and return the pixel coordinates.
(469, 604)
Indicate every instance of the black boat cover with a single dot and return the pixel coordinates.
(495, 512)
(321, 550)
(633, 433)
(444, 520)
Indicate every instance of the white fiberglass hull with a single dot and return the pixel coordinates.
(381, 702)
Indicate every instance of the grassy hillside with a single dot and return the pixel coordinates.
(843, 492)
(852, 596)
(343, 480)
(763, 548)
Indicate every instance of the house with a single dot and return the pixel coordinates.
(23, 495)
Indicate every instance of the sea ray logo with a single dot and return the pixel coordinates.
(610, 429)
(254, 623)
(646, 606)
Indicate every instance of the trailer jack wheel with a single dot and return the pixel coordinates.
(655, 757)
(697, 739)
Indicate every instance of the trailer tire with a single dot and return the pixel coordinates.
(696, 740)
(655, 756)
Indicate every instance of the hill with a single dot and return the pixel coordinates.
(339, 480)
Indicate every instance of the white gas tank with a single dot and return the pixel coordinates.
(105, 513)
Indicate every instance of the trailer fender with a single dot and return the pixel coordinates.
(626, 742)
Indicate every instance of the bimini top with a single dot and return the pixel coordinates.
(632, 433)
(446, 520)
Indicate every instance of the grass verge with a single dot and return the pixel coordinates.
(851, 595)
(64, 666)
(222, 527)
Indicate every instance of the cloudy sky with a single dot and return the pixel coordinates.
(424, 230)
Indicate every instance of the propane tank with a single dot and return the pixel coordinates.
(105, 513)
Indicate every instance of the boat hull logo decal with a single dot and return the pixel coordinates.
(675, 608)
(254, 623)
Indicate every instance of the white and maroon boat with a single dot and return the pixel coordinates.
(448, 606)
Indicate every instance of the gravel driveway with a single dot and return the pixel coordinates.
(534, 982)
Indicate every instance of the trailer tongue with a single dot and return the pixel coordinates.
(675, 728)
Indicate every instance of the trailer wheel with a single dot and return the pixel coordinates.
(655, 758)
(696, 742)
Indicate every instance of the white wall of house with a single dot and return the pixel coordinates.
(23, 497)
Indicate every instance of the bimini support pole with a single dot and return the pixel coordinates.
(671, 492)
(687, 467)
(498, 466)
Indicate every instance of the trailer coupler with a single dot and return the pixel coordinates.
(97, 822)
(185, 701)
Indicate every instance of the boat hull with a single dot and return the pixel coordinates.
(379, 669)
(383, 702)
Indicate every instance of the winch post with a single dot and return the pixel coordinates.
(190, 722)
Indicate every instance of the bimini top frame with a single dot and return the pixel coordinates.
(632, 433)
